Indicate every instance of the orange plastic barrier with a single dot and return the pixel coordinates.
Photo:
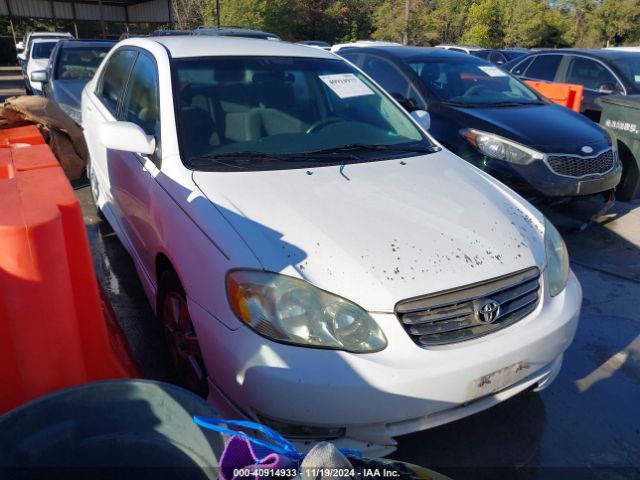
(54, 329)
(565, 94)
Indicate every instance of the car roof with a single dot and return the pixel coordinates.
(45, 40)
(413, 52)
(205, 46)
(235, 32)
(73, 43)
(35, 35)
(599, 53)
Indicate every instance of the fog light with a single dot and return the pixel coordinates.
(303, 432)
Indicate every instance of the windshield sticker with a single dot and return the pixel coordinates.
(636, 78)
(346, 85)
(493, 71)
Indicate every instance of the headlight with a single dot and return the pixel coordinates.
(290, 310)
(500, 148)
(557, 259)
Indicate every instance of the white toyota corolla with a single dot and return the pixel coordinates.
(319, 263)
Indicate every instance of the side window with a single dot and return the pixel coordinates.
(114, 78)
(391, 79)
(522, 66)
(141, 104)
(544, 67)
(589, 73)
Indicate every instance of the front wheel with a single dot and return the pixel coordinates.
(182, 342)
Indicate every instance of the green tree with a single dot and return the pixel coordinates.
(485, 24)
(617, 20)
(448, 19)
(277, 16)
(389, 22)
(532, 23)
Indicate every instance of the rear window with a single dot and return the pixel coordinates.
(42, 49)
(80, 63)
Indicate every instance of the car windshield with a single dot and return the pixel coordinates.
(284, 109)
(80, 63)
(471, 83)
(629, 66)
(42, 49)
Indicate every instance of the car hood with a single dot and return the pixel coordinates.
(384, 231)
(68, 92)
(548, 128)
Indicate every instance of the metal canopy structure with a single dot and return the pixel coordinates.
(126, 11)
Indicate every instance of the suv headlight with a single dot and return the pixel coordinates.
(557, 259)
(290, 310)
(495, 146)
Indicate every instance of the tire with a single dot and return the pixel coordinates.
(182, 342)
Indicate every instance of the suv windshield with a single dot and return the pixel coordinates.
(471, 83)
(80, 63)
(42, 49)
(284, 110)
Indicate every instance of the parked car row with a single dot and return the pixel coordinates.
(307, 244)
(334, 227)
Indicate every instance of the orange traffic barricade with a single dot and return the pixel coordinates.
(564, 94)
(55, 331)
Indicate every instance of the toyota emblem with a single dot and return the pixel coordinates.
(488, 311)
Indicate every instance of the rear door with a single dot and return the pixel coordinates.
(101, 106)
(130, 173)
(596, 79)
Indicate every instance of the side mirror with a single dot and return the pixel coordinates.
(20, 46)
(40, 76)
(423, 118)
(126, 136)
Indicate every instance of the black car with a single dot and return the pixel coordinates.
(496, 122)
(494, 56)
(600, 72)
(71, 65)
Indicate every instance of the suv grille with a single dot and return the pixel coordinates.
(472, 311)
(573, 166)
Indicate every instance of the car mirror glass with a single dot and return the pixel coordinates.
(40, 76)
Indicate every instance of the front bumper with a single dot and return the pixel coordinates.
(538, 179)
(402, 389)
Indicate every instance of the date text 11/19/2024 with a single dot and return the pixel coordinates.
(252, 472)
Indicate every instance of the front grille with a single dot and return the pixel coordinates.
(455, 315)
(574, 166)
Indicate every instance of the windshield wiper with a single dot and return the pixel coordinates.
(513, 103)
(364, 147)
